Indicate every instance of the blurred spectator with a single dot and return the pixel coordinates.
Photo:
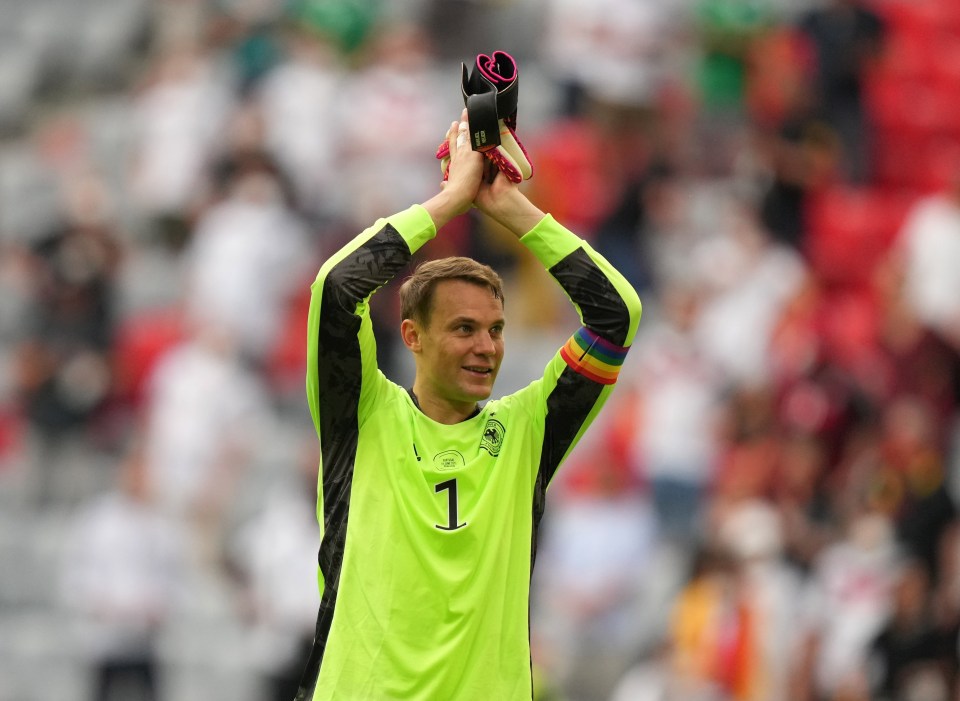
(615, 52)
(274, 554)
(846, 36)
(814, 393)
(674, 437)
(732, 633)
(848, 601)
(727, 32)
(798, 157)
(593, 561)
(728, 29)
(298, 100)
(753, 531)
(946, 590)
(203, 415)
(796, 152)
(122, 573)
(800, 494)
(249, 254)
(390, 114)
(749, 280)
(460, 29)
(711, 631)
(915, 655)
(63, 359)
(181, 108)
(247, 32)
(670, 201)
(775, 74)
(928, 254)
(624, 233)
(912, 360)
(350, 23)
(648, 680)
(907, 481)
(749, 449)
(177, 23)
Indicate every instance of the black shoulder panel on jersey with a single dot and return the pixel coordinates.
(568, 406)
(601, 306)
(340, 374)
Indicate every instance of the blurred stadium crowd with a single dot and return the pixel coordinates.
(766, 511)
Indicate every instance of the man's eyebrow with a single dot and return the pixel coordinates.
(456, 321)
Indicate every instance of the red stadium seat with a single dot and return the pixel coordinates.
(12, 434)
(897, 159)
(941, 162)
(570, 177)
(849, 232)
(946, 61)
(287, 360)
(141, 341)
(918, 107)
(920, 163)
(849, 326)
(920, 16)
(906, 56)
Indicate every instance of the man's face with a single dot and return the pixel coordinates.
(460, 349)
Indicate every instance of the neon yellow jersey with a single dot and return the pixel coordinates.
(430, 530)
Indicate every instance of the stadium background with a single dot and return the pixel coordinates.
(764, 511)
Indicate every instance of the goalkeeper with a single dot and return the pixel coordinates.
(430, 497)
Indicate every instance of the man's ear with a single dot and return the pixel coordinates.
(410, 333)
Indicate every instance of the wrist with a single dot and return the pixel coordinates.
(445, 205)
(516, 213)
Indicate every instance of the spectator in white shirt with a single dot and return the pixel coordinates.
(122, 564)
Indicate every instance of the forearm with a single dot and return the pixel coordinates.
(443, 207)
(606, 302)
(513, 211)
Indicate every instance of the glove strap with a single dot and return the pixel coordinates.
(490, 91)
(501, 70)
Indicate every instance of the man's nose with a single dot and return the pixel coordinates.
(483, 344)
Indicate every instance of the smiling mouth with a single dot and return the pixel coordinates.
(478, 370)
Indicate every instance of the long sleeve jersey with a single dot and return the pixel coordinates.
(429, 530)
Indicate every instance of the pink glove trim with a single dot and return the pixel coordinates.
(487, 65)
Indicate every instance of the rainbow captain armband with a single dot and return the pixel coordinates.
(593, 356)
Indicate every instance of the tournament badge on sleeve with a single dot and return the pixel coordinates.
(490, 90)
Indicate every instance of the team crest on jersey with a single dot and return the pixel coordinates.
(492, 437)
(448, 460)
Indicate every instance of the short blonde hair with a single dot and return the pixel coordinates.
(416, 292)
